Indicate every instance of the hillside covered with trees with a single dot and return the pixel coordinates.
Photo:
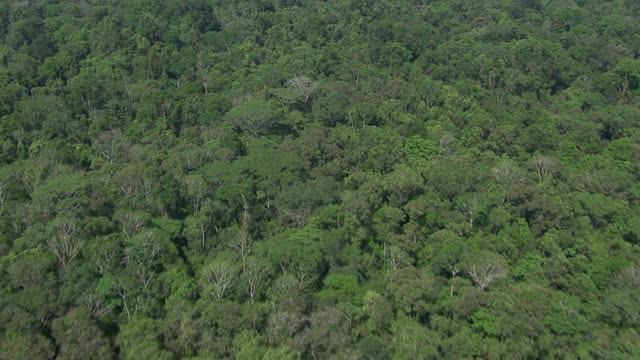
(307, 179)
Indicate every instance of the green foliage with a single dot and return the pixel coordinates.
(79, 337)
(341, 288)
(29, 346)
(319, 179)
(253, 117)
(417, 148)
(140, 337)
(484, 322)
(411, 340)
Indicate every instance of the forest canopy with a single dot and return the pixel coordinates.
(306, 179)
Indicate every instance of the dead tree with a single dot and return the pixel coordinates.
(243, 242)
(219, 278)
(485, 270)
(305, 86)
(65, 245)
(545, 166)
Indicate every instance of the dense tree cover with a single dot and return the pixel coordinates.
(304, 179)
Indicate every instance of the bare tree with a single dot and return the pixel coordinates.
(297, 218)
(196, 188)
(203, 227)
(129, 182)
(179, 80)
(255, 272)
(193, 157)
(65, 244)
(304, 271)
(122, 294)
(243, 242)
(623, 89)
(252, 126)
(453, 263)
(147, 184)
(485, 269)
(142, 255)
(600, 180)
(470, 208)
(203, 71)
(219, 277)
(94, 304)
(148, 247)
(104, 261)
(397, 257)
(628, 278)
(584, 83)
(285, 324)
(131, 222)
(112, 145)
(305, 85)
(327, 334)
(506, 173)
(545, 166)
(3, 197)
(128, 88)
(454, 266)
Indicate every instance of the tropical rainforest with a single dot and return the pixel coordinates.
(308, 179)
